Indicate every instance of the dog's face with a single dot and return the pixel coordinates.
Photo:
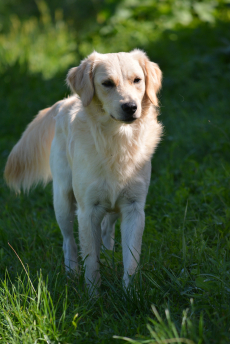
(119, 81)
(120, 86)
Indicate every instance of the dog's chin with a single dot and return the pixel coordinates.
(123, 120)
(129, 122)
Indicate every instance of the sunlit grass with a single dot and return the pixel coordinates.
(29, 315)
(46, 46)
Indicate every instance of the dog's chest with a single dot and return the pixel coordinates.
(101, 175)
(105, 164)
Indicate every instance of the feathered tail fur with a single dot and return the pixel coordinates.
(28, 162)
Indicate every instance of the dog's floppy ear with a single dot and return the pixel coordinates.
(153, 75)
(80, 79)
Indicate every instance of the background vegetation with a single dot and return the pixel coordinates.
(185, 266)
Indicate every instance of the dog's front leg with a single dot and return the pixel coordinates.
(90, 239)
(132, 227)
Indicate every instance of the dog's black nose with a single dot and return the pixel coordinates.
(129, 108)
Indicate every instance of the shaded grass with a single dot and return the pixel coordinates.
(185, 257)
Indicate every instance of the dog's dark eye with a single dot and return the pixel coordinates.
(136, 80)
(108, 83)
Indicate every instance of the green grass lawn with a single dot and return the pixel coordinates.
(185, 264)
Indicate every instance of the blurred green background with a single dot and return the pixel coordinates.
(50, 36)
(189, 39)
(187, 234)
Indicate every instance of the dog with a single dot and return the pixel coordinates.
(97, 146)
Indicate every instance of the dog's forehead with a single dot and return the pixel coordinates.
(118, 65)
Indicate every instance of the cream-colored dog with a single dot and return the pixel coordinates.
(97, 149)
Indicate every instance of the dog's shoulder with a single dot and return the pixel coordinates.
(67, 112)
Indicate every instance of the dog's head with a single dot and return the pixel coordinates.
(121, 81)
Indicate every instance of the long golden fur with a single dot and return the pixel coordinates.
(97, 148)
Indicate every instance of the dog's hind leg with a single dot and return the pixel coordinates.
(108, 230)
(64, 206)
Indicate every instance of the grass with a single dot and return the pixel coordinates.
(185, 265)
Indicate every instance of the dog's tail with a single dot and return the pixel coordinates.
(28, 162)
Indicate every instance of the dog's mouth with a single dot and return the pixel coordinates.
(127, 121)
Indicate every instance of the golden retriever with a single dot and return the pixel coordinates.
(96, 146)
